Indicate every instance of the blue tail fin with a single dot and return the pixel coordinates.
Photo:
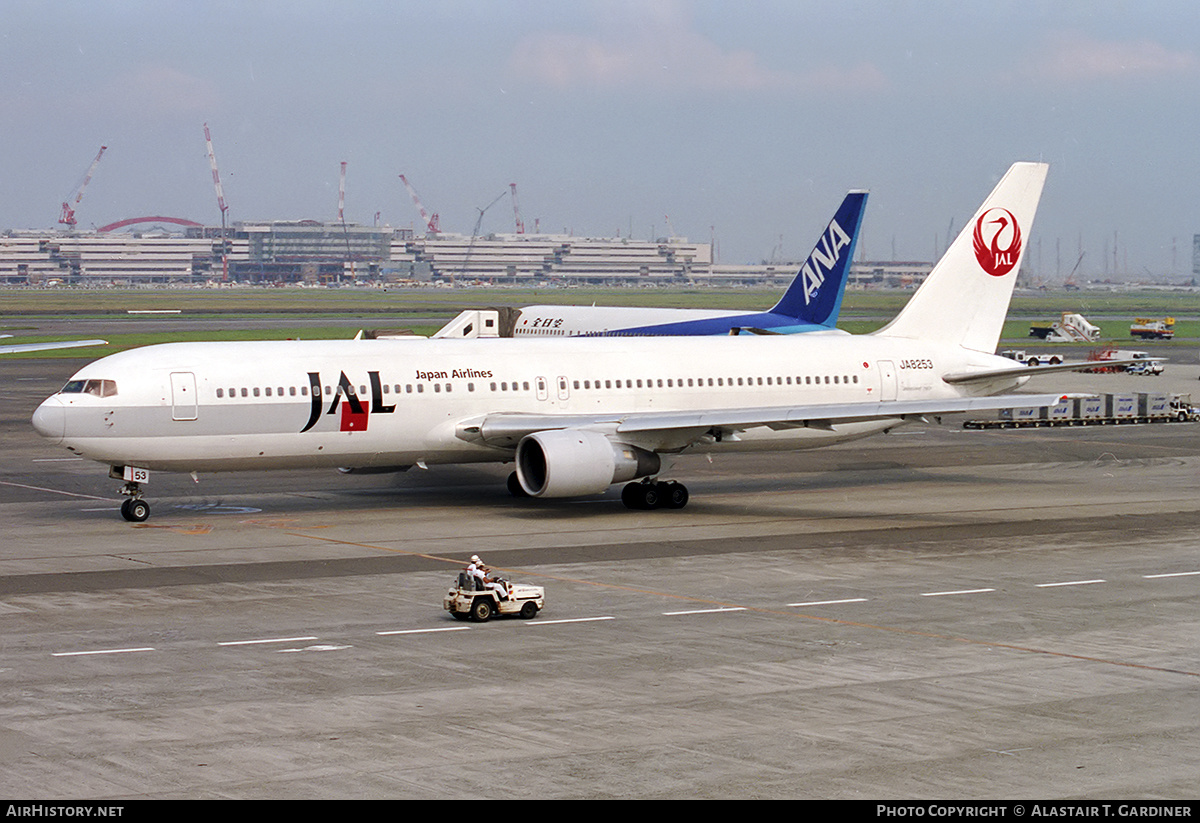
(815, 296)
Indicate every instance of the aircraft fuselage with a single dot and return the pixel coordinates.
(234, 406)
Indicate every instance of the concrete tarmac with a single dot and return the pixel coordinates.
(935, 613)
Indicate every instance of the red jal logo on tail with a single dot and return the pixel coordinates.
(995, 259)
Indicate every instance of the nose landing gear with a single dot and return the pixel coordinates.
(135, 509)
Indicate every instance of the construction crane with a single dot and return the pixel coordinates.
(431, 221)
(516, 209)
(67, 218)
(212, 161)
(475, 233)
(342, 194)
(342, 214)
(1069, 284)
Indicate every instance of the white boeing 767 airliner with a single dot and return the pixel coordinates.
(576, 415)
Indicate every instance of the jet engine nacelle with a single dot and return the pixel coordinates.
(572, 462)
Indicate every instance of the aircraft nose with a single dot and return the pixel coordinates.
(50, 419)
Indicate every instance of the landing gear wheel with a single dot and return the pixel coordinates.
(135, 511)
(481, 610)
(674, 495)
(529, 611)
(514, 486)
(668, 494)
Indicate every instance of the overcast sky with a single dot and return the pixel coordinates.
(742, 121)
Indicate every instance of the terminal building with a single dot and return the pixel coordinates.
(314, 253)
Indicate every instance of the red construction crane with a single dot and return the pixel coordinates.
(67, 218)
(431, 221)
(212, 161)
(516, 209)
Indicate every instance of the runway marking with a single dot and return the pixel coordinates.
(424, 631)
(52, 491)
(829, 602)
(707, 611)
(1069, 583)
(264, 640)
(567, 620)
(217, 508)
(960, 591)
(103, 651)
(192, 530)
(814, 617)
(1171, 574)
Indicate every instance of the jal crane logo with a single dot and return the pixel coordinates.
(999, 252)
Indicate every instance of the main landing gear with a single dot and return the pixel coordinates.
(648, 494)
(643, 494)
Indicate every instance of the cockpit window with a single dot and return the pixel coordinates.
(100, 388)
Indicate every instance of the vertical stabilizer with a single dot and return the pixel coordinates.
(965, 298)
(815, 296)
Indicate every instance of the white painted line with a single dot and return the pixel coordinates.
(103, 651)
(264, 640)
(567, 620)
(1069, 583)
(960, 591)
(425, 631)
(707, 611)
(830, 602)
(58, 460)
(53, 491)
(1172, 574)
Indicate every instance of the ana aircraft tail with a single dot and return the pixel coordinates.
(965, 298)
(815, 296)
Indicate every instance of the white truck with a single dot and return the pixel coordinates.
(1150, 328)
(470, 599)
(1032, 358)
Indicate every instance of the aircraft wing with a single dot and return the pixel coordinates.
(18, 348)
(506, 429)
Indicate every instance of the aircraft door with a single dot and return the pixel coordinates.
(543, 391)
(887, 380)
(563, 389)
(183, 395)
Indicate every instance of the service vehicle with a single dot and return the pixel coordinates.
(1097, 410)
(1071, 328)
(1145, 367)
(471, 599)
(1032, 358)
(1150, 328)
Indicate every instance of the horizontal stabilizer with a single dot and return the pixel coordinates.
(1032, 371)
